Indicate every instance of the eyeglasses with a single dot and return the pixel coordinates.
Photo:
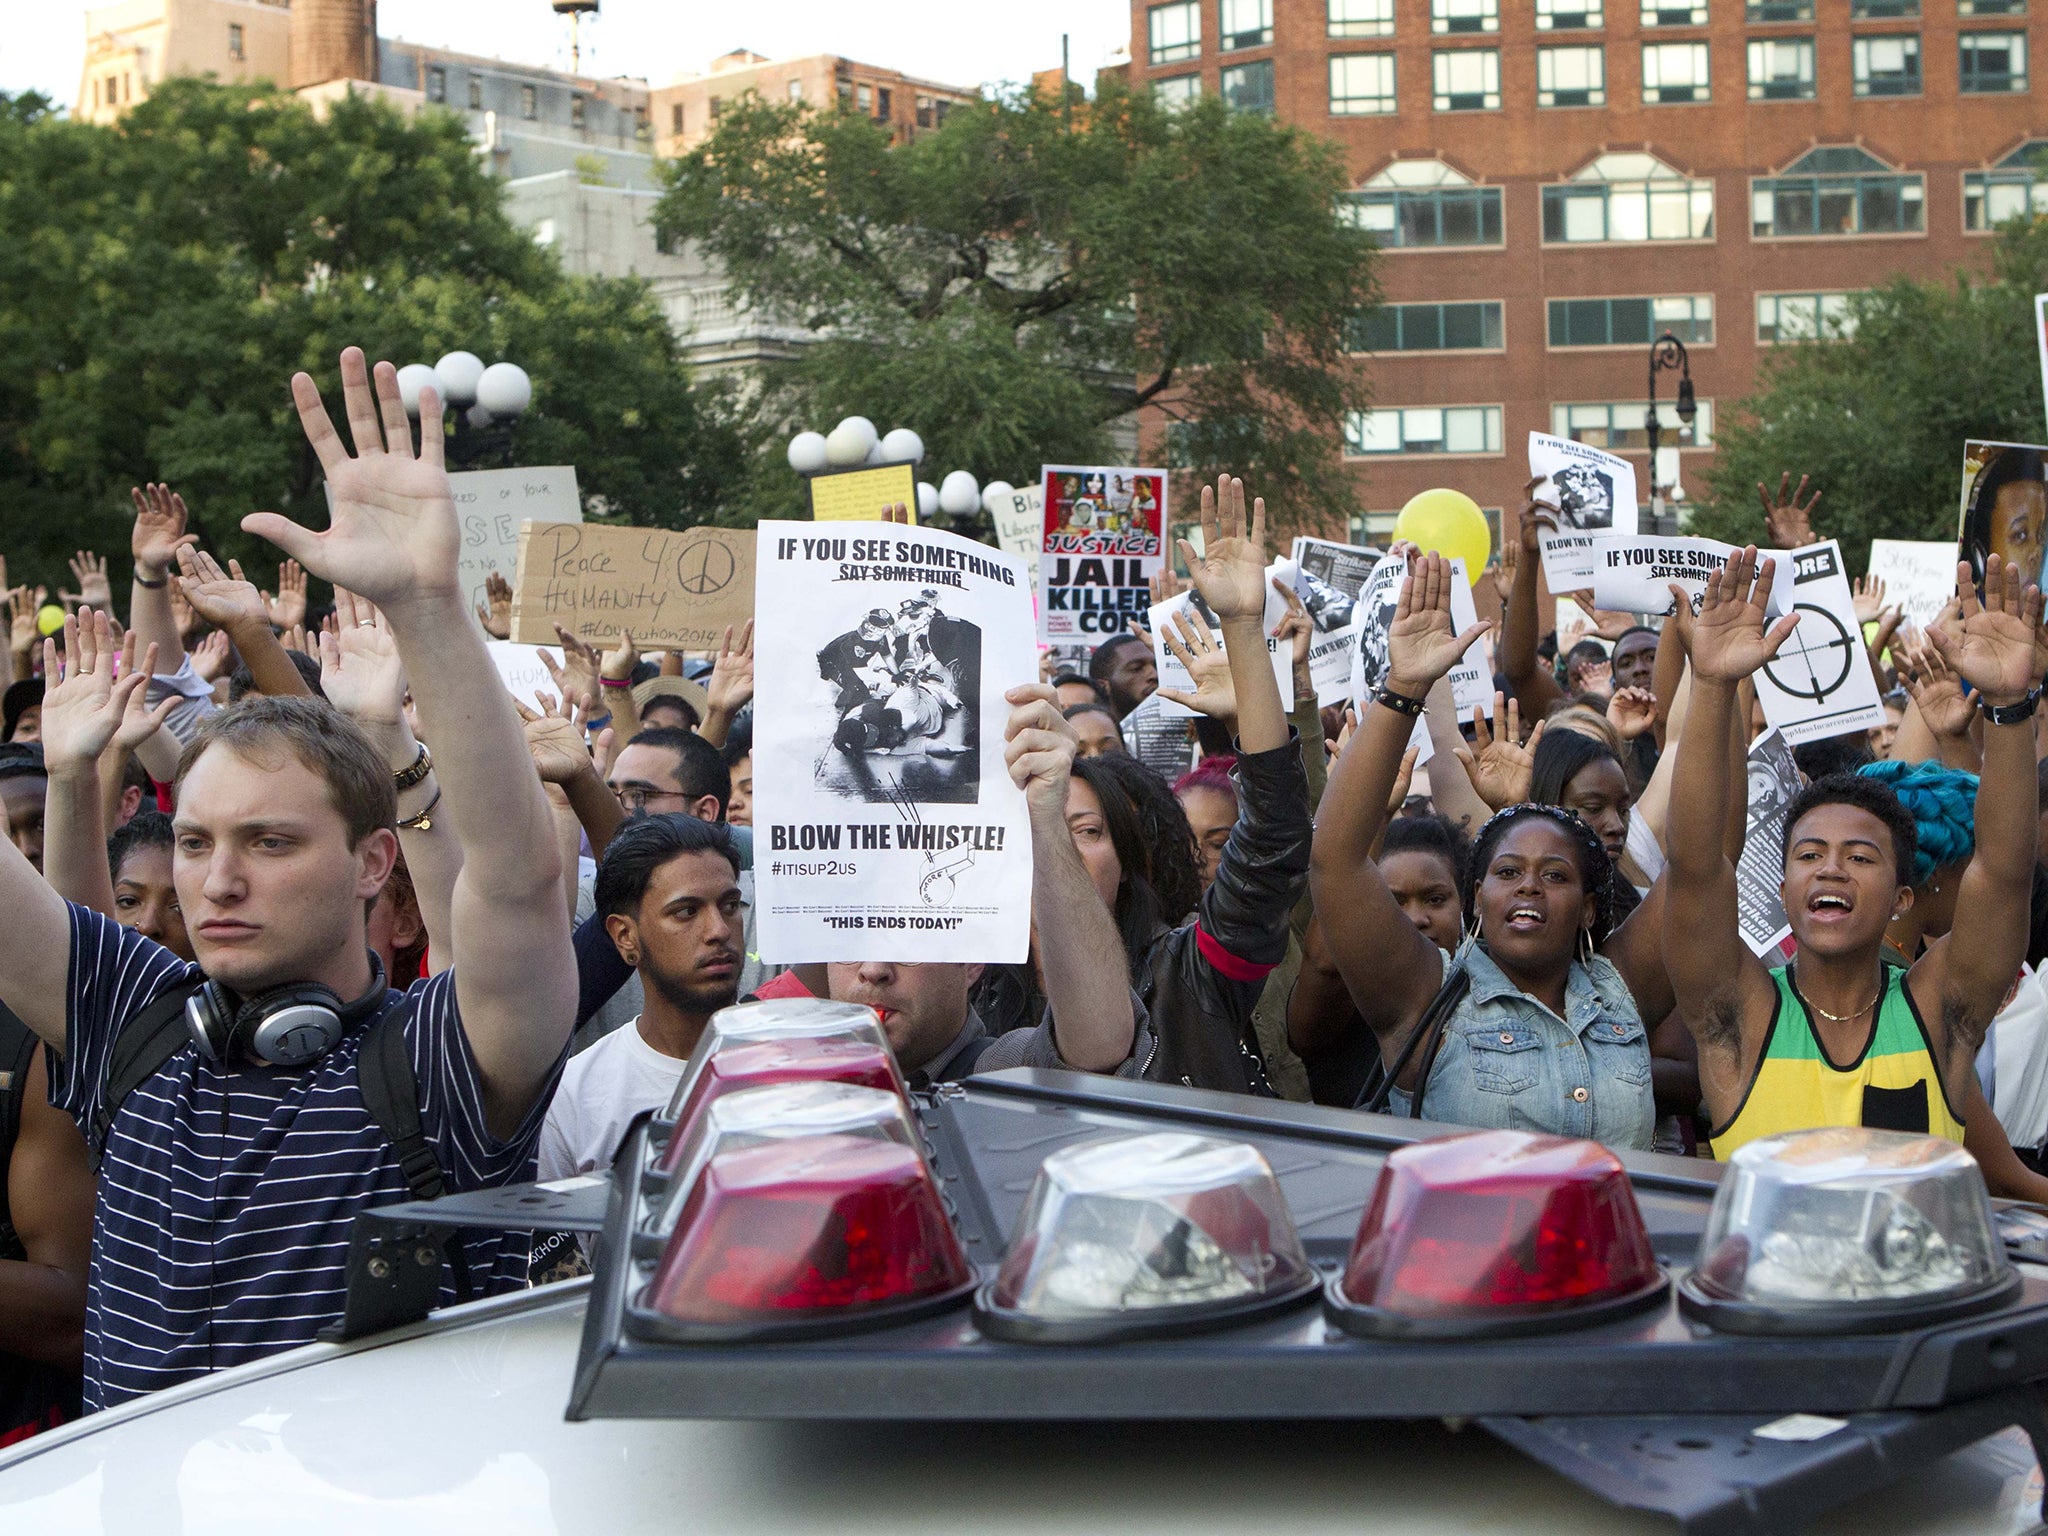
(637, 797)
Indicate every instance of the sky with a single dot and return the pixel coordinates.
(952, 42)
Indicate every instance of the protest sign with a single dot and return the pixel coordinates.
(676, 590)
(886, 826)
(1773, 783)
(1327, 579)
(2005, 506)
(1020, 526)
(1634, 573)
(1163, 742)
(863, 493)
(1173, 675)
(1919, 578)
(1471, 678)
(521, 671)
(1820, 683)
(1594, 492)
(492, 504)
(1104, 540)
(2041, 339)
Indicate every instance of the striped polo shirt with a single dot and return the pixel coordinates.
(226, 1193)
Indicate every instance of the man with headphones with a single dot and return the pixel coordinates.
(246, 1109)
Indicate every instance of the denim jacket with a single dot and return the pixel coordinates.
(1508, 1063)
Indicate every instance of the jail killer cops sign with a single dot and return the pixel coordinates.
(886, 826)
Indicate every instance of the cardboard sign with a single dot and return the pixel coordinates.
(1471, 678)
(2005, 506)
(1104, 539)
(1020, 526)
(1594, 492)
(674, 589)
(1773, 783)
(886, 826)
(494, 503)
(1919, 578)
(2041, 340)
(861, 494)
(1173, 675)
(1634, 573)
(1820, 683)
(1328, 578)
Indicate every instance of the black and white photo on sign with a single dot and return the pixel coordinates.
(1592, 491)
(1173, 674)
(1820, 683)
(1471, 679)
(1773, 782)
(1634, 573)
(886, 825)
(1328, 579)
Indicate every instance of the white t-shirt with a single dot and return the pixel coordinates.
(602, 1089)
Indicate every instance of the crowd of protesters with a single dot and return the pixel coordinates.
(306, 914)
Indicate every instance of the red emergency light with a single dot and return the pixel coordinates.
(840, 1058)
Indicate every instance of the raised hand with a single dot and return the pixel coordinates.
(289, 606)
(731, 683)
(1729, 636)
(618, 663)
(1868, 593)
(1537, 516)
(1788, 522)
(576, 678)
(1295, 627)
(1991, 647)
(22, 604)
(393, 535)
(1936, 691)
(495, 611)
(1605, 622)
(225, 599)
(1230, 573)
(554, 740)
(1632, 712)
(1421, 645)
(1039, 748)
(1500, 767)
(212, 658)
(139, 721)
(94, 590)
(359, 667)
(1165, 586)
(1404, 780)
(82, 703)
(159, 530)
(190, 625)
(1196, 649)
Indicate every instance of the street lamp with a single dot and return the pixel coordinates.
(1667, 351)
(481, 403)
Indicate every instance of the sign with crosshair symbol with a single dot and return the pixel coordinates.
(1816, 660)
(1820, 683)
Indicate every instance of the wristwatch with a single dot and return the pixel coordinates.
(2012, 714)
(421, 767)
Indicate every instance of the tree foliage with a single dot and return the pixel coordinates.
(1015, 280)
(160, 281)
(1878, 416)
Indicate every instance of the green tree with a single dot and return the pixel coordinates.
(1878, 413)
(1015, 280)
(160, 281)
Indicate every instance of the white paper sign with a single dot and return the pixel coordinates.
(1327, 579)
(1020, 525)
(1820, 683)
(885, 823)
(1919, 578)
(1773, 784)
(1173, 675)
(492, 503)
(1471, 678)
(519, 668)
(1594, 492)
(1634, 573)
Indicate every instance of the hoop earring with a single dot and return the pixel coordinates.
(1585, 946)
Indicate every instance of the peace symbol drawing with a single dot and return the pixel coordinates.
(704, 566)
(1816, 660)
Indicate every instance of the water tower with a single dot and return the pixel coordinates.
(575, 10)
(333, 40)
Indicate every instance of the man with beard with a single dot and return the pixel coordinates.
(669, 893)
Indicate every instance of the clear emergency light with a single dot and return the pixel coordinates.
(1847, 1230)
(1138, 1235)
(1496, 1233)
(818, 1234)
(781, 1112)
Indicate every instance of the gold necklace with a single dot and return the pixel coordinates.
(1840, 1018)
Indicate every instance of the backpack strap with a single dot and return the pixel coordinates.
(152, 1036)
(1428, 1032)
(391, 1094)
(17, 1053)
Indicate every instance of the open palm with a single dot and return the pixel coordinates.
(393, 535)
(1500, 768)
(1421, 644)
(1230, 572)
(1991, 647)
(1728, 634)
(222, 598)
(360, 671)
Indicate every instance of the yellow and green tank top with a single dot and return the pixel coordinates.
(1895, 1085)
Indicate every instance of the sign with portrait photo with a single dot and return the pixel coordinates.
(886, 826)
(1773, 783)
(1594, 492)
(1378, 600)
(2005, 507)
(1328, 578)
(1104, 541)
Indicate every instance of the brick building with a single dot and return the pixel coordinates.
(1556, 182)
(686, 111)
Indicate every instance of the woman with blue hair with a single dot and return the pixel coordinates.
(1943, 804)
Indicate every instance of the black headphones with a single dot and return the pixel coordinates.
(285, 1027)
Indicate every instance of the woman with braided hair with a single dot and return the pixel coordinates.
(1532, 1024)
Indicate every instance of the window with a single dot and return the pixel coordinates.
(576, 110)
(1467, 81)
(2012, 189)
(1246, 23)
(1427, 328)
(1803, 317)
(1886, 66)
(1249, 87)
(1631, 322)
(437, 84)
(718, 107)
(883, 102)
(1361, 84)
(235, 50)
(1674, 13)
(1173, 31)
(863, 93)
(675, 118)
(1424, 429)
(1622, 424)
(1571, 77)
(1628, 196)
(1464, 15)
(1991, 7)
(1760, 11)
(529, 102)
(1992, 62)
(1566, 15)
(1177, 91)
(1675, 72)
(643, 123)
(1882, 10)
(1420, 203)
(1781, 69)
(924, 111)
(1361, 18)
(1837, 191)
(476, 95)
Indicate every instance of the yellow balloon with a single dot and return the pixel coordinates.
(1450, 523)
(49, 618)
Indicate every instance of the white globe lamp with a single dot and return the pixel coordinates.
(505, 391)
(807, 453)
(959, 494)
(459, 373)
(412, 378)
(902, 446)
